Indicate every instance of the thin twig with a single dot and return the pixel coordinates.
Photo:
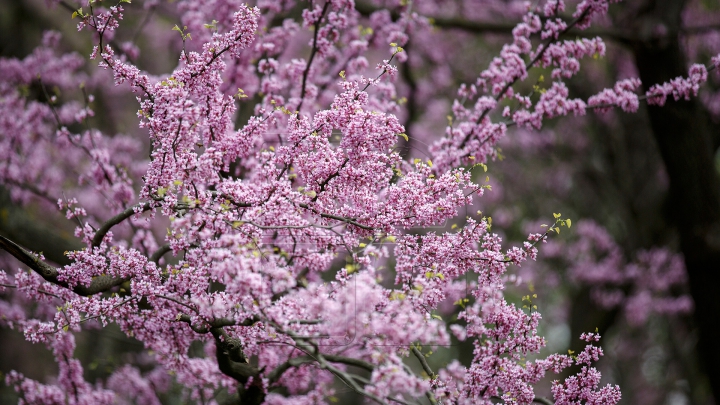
(312, 54)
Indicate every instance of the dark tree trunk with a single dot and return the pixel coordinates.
(684, 134)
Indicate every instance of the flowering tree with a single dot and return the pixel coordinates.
(283, 219)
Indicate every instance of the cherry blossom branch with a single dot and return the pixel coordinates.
(101, 314)
(330, 177)
(41, 291)
(312, 53)
(351, 221)
(69, 7)
(107, 225)
(214, 324)
(49, 273)
(192, 124)
(544, 47)
(428, 370)
(622, 95)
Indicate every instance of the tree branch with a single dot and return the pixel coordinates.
(233, 363)
(428, 370)
(158, 254)
(423, 362)
(312, 54)
(350, 221)
(49, 273)
(105, 228)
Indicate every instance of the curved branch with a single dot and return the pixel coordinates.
(105, 228)
(230, 357)
(158, 254)
(49, 273)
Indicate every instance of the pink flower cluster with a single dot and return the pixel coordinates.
(679, 87)
(473, 137)
(622, 95)
(583, 387)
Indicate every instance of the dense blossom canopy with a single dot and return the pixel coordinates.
(302, 246)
